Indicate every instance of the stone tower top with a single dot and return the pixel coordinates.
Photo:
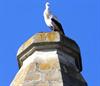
(49, 59)
(51, 40)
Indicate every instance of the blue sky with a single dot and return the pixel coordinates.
(20, 19)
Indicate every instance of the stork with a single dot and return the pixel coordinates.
(51, 21)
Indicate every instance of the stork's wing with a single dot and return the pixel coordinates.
(54, 17)
(58, 24)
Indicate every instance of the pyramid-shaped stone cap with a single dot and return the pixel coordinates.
(50, 40)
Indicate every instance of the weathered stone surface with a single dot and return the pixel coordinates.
(51, 40)
(38, 38)
(35, 76)
(53, 75)
(42, 84)
(55, 83)
(49, 59)
(38, 68)
(48, 64)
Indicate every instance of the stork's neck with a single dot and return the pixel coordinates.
(47, 9)
(47, 12)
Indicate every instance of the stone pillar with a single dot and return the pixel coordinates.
(49, 59)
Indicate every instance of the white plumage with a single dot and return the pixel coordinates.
(51, 20)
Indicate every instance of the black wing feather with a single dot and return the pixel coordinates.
(58, 24)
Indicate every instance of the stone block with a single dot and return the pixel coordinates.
(33, 76)
(42, 84)
(49, 64)
(56, 83)
(54, 75)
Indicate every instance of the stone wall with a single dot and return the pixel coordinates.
(49, 59)
(40, 69)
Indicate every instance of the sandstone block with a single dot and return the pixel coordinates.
(49, 64)
(53, 76)
(33, 76)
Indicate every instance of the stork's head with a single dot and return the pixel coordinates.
(47, 4)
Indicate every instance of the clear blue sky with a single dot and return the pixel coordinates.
(20, 19)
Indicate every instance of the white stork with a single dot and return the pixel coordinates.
(51, 20)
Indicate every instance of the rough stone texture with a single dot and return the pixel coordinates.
(51, 40)
(49, 59)
(38, 69)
